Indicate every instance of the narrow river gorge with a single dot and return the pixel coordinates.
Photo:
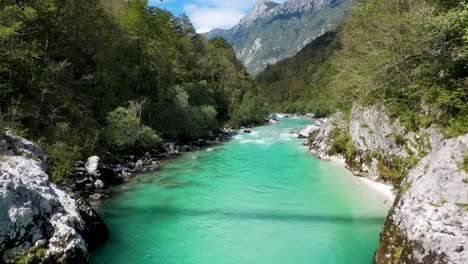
(258, 198)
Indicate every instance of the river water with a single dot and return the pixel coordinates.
(259, 198)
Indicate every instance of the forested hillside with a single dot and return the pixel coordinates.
(83, 77)
(273, 31)
(302, 83)
(411, 55)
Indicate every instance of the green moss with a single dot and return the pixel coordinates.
(31, 256)
(341, 144)
(426, 168)
(464, 164)
(441, 202)
(404, 188)
(408, 150)
(397, 254)
(399, 139)
(313, 135)
(364, 141)
(462, 205)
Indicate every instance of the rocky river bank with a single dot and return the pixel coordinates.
(428, 222)
(91, 178)
(42, 223)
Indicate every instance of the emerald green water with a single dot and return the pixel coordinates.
(259, 198)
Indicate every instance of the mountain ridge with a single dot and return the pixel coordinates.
(271, 31)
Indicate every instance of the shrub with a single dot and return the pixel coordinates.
(251, 111)
(125, 128)
(63, 158)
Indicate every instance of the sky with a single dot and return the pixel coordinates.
(209, 14)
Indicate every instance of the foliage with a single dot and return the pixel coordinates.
(464, 164)
(341, 144)
(280, 34)
(31, 256)
(410, 55)
(250, 112)
(301, 83)
(69, 67)
(126, 130)
(63, 159)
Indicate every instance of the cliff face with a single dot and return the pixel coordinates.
(429, 219)
(38, 221)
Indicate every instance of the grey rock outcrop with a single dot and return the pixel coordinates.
(306, 132)
(320, 144)
(34, 213)
(377, 140)
(428, 222)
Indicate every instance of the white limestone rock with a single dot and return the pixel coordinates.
(429, 222)
(32, 209)
(92, 166)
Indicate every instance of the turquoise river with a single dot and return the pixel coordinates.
(259, 198)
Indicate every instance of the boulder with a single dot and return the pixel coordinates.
(99, 184)
(273, 121)
(34, 212)
(95, 231)
(92, 165)
(305, 133)
(247, 131)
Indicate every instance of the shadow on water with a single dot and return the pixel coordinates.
(287, 217)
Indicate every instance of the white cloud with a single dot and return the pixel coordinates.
(206, 18)
(209, 14)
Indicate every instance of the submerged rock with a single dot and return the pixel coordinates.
(273, 121)
(95, 231)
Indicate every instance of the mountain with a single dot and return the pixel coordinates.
(271, 31)
(301, 83)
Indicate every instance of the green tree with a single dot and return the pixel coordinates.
(125, 128)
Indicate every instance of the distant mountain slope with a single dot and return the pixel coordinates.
(271, 32)
(300, 83)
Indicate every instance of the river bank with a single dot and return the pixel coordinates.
(427, 221)
(258, 197)
(279, 138)
(91, 178)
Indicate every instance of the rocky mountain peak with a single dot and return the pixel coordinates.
(273, 31)
(261, 8)
(293, 6)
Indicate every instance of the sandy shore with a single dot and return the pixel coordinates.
(384, 189)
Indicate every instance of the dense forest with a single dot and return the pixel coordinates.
(411, 55)
(85, 77)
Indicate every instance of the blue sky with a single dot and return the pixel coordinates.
(209, 14)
